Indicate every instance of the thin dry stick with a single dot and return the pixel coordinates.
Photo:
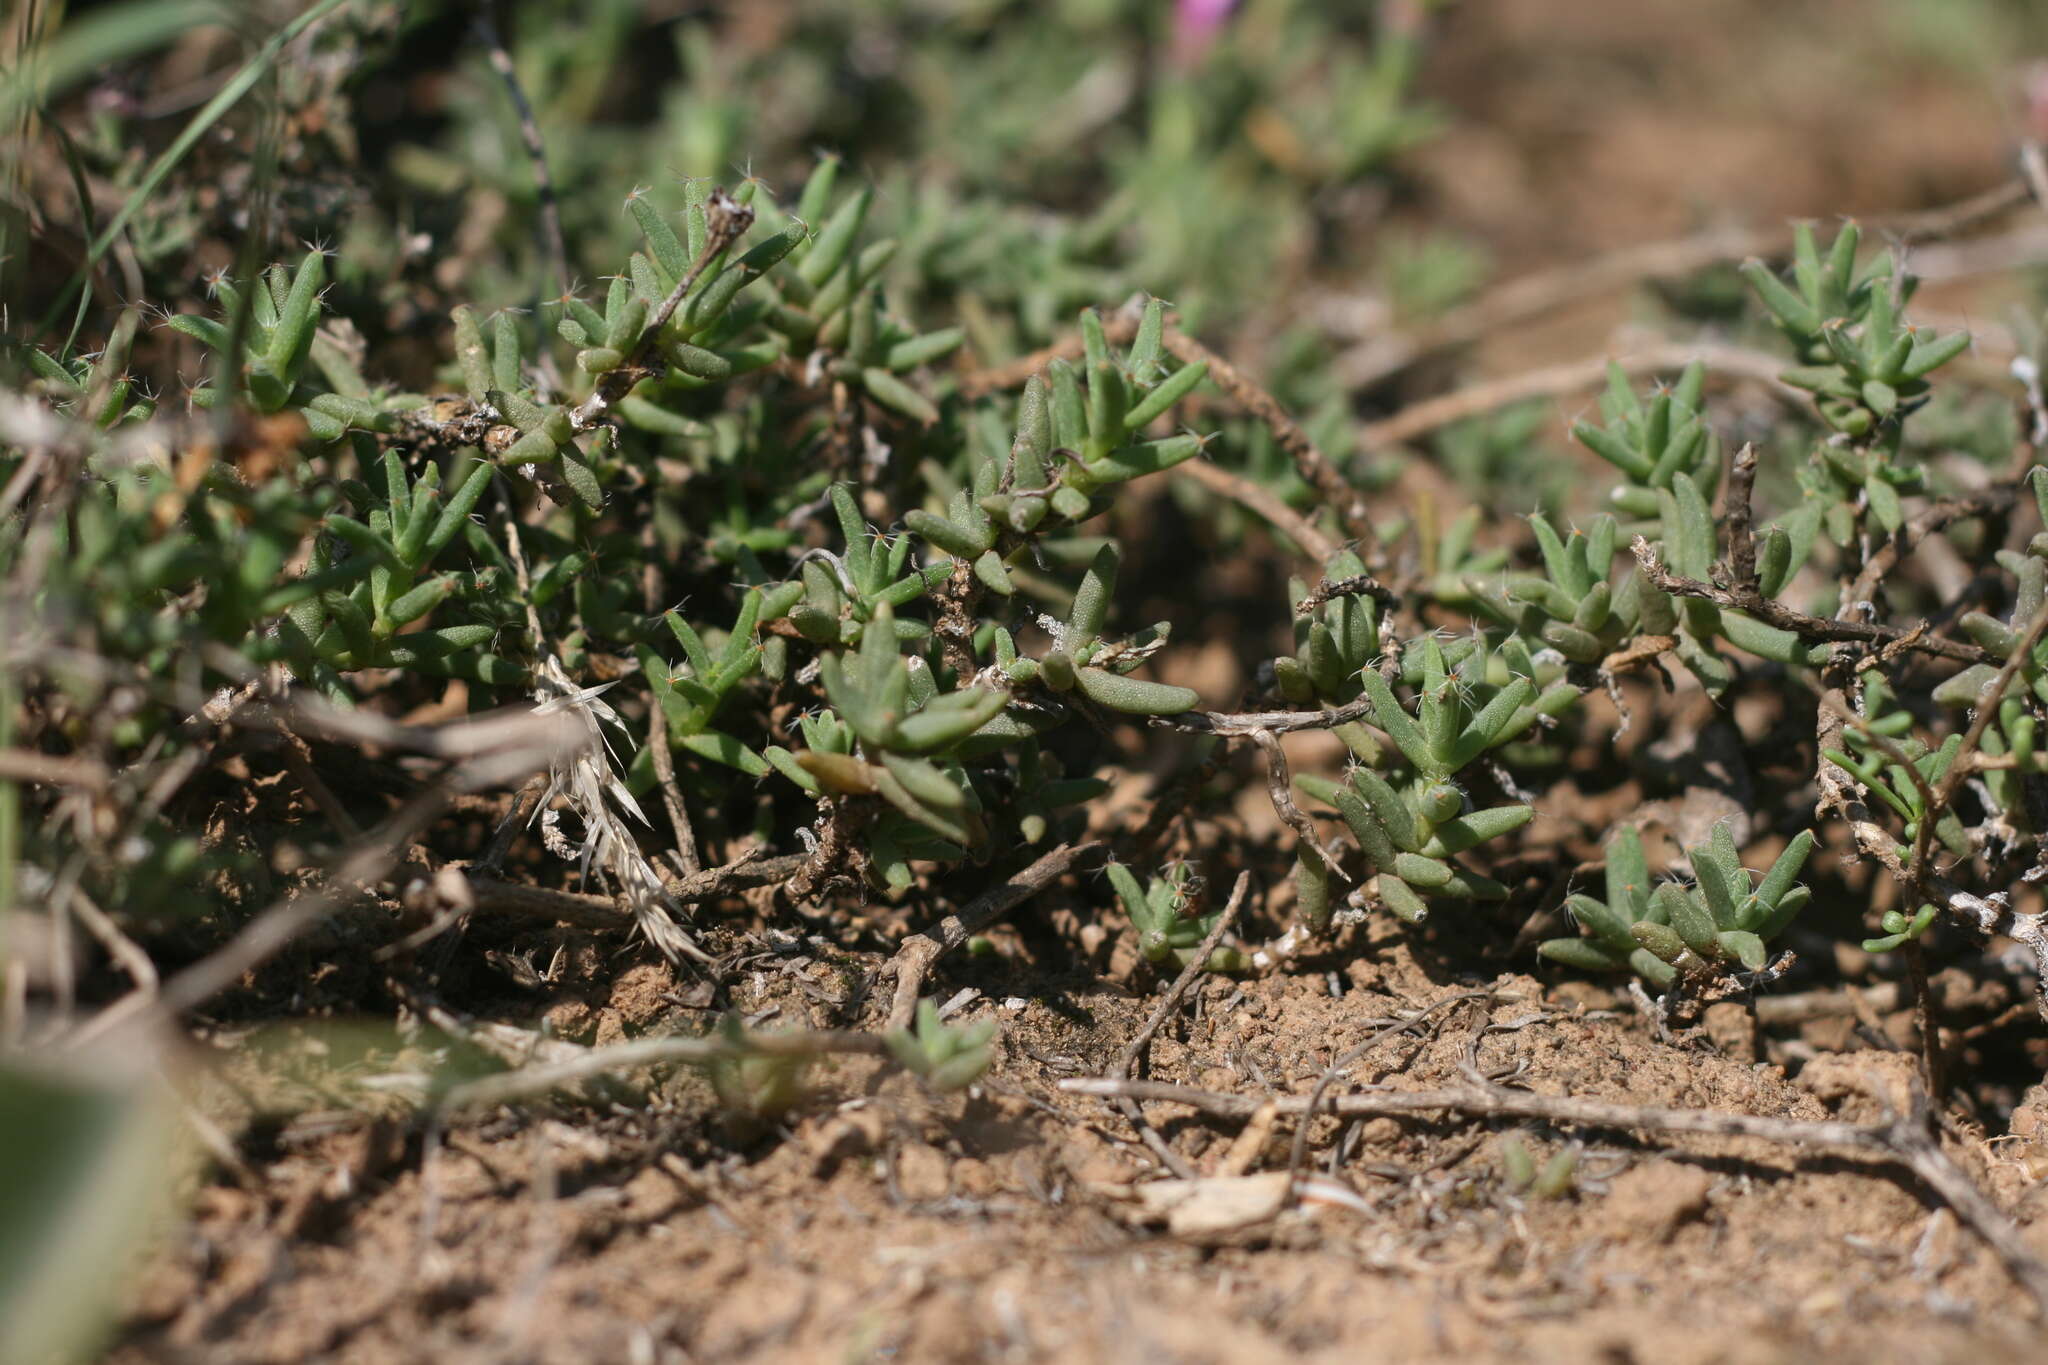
(1117, 328)
(671, 794)
(508, 828)
(1553, 381)
(315, 787)
(1948, 220)
(1267, 722)
(1297, 1155)
(918, 952)
(552, 244)
(1933, 1072)
(448, 918)
(1280, 791)
(1741, 518)
(1934, 517)
(53, 770)
(1818, 629)
(1197, 964)
(24, 478)
(516, 552)
(600, 912)
(1142, 1040)
(2034, 169)
(1916, 959)
(1904, 1140)
(272, 929)
(1545, 291)
(1534, 295)
(268, 934)
(2020, 249)
(490, 735)
(1805, 1006)
(529, 1081)
(121, 948)
(1988, 702)
(726, 221)
(1261, 502)
(1840, 795)
(1936, 803)
(1317, 469)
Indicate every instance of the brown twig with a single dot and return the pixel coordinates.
(1298, 1153)
(475, 737)
(1916, 959)
(1905, 1139)
(508, 828)
(1268, 722)
(1806, 1006)
(529, 1081)
(1741, 518)
(599, 912)
(835, 855)
(1947, 220)
(1014, 374)
(1987, 710)
(1262, 502)
(2034, 172)
(956, 600)
(1142, 1039)
(1134, 1050)
(268, 934)
(54, 770)
(1358, 585)
(1930, 519)
(1547, 290)
(1817, 629)
(1840, 795)
(298, 757)
(1553, 381)
(671, 794)
(1252, 723)
(1317, 469)
(1933, 1073)
(514, 747)
(914, 959)
(549, 226)
(121, 948)
(1279, 790)
(726, 220)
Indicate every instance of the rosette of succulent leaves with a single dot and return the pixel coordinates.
(1664, 931)
(944, 1058)
(1413, 821)
(1168, 916)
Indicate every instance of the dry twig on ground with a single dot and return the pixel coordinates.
(1135, 1050)
(1905, 1139)
(917, 954)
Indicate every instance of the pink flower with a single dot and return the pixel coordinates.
(1195, 26)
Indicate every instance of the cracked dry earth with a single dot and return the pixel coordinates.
(883, 1223)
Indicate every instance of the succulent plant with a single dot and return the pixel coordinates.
(1662, 930)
